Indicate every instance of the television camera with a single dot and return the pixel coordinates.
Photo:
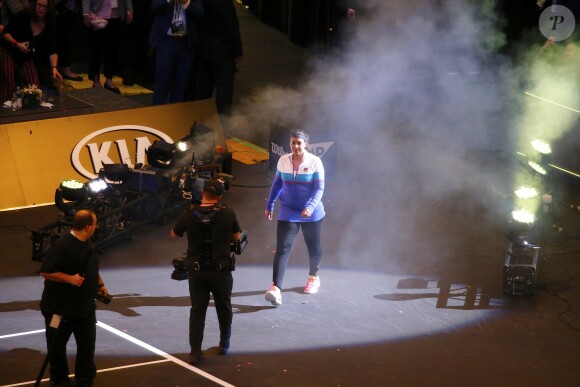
(125, 199)
(181, 264)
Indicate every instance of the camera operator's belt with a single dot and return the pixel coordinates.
(177, 36)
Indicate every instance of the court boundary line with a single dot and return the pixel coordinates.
(98, 371)
(167, 357)
(164, 354)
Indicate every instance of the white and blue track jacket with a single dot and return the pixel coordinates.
(300, 191)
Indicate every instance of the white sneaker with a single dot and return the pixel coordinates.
(312, 285)
(274, 295)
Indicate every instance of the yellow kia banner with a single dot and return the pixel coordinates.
(38, 155)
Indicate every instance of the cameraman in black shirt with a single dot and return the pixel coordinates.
(210, 229)
(72, 280)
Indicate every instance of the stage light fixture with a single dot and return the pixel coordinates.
(523, 216)
(70, 196)
(73, 190)
(526, 192)
(182, 146)
(542, 147)
(97, 185)
(522, 230)
(160, 154)
(537, 167)
(115, 173)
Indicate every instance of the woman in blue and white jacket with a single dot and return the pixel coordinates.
(299, 184)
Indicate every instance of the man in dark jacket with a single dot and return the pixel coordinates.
(174, 38)
(221, 52)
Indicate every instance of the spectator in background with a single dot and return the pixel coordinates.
(174, 38)
(135, 58)
(104, 37)
(221, 52)
(67, 20)
(28, 49)
(342, 14)
(11, 7)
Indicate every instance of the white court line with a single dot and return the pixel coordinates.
(165, 355)
(98, 371)
(21, 334)
(139, 343)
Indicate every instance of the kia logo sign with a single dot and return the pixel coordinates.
(100, 152)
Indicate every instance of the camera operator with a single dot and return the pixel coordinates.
(72, 279)
(210, 228)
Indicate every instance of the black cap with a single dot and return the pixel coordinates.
(214, 186)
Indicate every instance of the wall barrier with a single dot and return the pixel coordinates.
(38, 155)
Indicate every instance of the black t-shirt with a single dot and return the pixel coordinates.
(69, 255)
(221, 229)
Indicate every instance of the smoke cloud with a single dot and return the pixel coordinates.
(425, 114)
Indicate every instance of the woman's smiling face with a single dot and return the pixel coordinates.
(297, 145)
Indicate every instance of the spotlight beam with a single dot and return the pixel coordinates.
(552, 102)
(564, 170)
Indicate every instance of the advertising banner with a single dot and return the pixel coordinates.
(38, 155)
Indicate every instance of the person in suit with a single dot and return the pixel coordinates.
(221, 52)
(342, 16)
(174, 38)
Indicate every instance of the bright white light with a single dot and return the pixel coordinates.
(182, 146)
(526, 192)
(74, 184)
(537, 167)
(542, 147)
(97, 185)
(523, 216)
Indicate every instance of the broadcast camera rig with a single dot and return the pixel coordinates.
(181, 265)
(125, 199)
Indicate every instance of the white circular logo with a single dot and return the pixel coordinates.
(100, 159)
(557, 23)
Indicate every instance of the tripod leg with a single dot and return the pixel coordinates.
(55, 323)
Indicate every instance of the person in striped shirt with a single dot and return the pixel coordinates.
(299, 185)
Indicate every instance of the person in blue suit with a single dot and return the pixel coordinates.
(174, 38)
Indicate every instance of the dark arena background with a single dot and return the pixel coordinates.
(450, 132)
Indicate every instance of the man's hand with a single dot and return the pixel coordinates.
(87, 19)
(76, 280)
(104, 290)
(268, 214)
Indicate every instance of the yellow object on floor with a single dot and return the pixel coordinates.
(117, 81)
(246, 152)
